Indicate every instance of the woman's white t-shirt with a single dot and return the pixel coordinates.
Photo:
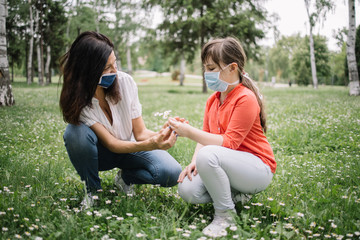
(123, 112)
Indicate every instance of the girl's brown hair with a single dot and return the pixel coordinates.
(82, 67)
(229, 50)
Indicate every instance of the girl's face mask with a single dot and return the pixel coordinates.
(107, 79)
(215, 83)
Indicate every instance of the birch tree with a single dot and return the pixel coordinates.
(321, 7)
(354, 88)
(6, 95)
(31, 46)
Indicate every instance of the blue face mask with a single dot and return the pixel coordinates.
(215, 83)
(107, 79)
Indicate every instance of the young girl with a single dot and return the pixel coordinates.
(106, 129)
(232, 156)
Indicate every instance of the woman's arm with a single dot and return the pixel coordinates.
(141, 133)
(197, 135)
(165, 139)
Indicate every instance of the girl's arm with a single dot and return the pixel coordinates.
(165, 139)
(197, 135)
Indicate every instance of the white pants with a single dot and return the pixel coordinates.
(222, 171)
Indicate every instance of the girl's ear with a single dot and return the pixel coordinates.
(233, 67)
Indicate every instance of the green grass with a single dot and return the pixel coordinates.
(315, 192)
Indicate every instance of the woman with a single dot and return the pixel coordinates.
(105, 128)
(232, 156)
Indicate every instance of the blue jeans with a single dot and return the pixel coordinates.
(89, 157)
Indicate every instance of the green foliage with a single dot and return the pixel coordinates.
(187, 25)
(314, 194)
(301, 61)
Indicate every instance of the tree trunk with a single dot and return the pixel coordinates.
(128, 58)
(6, 95)
(182, 69)
(118, 61)
(312, 60)
(31, 47)
(38, 49)
(202, 42)
(47, 66)
(354, 88)
(311, 42)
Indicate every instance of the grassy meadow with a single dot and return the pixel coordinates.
(315, 135)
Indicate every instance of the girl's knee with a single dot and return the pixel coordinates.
(186, 192)
(207, 157)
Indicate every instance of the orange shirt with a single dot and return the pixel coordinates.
(238, 121)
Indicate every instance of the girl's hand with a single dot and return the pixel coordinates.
(188, 171)
(181, 128)
(179, 119)
(165, 139)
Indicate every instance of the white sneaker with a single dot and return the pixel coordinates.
(87, 202)
(122, 186)
(217, 228)
(241, 197)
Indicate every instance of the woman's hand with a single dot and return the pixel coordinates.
(165, 139)
(188, 171)
(181, 128)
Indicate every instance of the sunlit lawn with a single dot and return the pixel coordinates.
(315, 192)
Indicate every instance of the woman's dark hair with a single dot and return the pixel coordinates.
(82, 67)
(229, 50)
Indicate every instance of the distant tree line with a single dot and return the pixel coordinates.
(40, 31)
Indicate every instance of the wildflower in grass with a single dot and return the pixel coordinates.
(119, 218)
(282, 204)
(112, 191)
(333, 225)
(38, 238)
(140, 235)
(108, 201)
(27, 186)
(349, 235)
(2, 213)
(357, 233)
(313, 224)
(344, 197)
(27, 234)
(192, 226)
(95, 197)
(152, 217)
(273, 232)
(31, 228)
(26, 219)
(186, 235)
(270, 199)
(317, 235)
(179, 229)
(129, 214)
(10, 209)
(96, 226)
(32, 205)
(233, 228)
(300, 214)
(18, 236)
(246, 207)
(203, 221)
(63, 199)
(5, 229)
(235, 236)
(89, 213)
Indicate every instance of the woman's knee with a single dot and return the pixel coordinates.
(168, 169)
(79, 137)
